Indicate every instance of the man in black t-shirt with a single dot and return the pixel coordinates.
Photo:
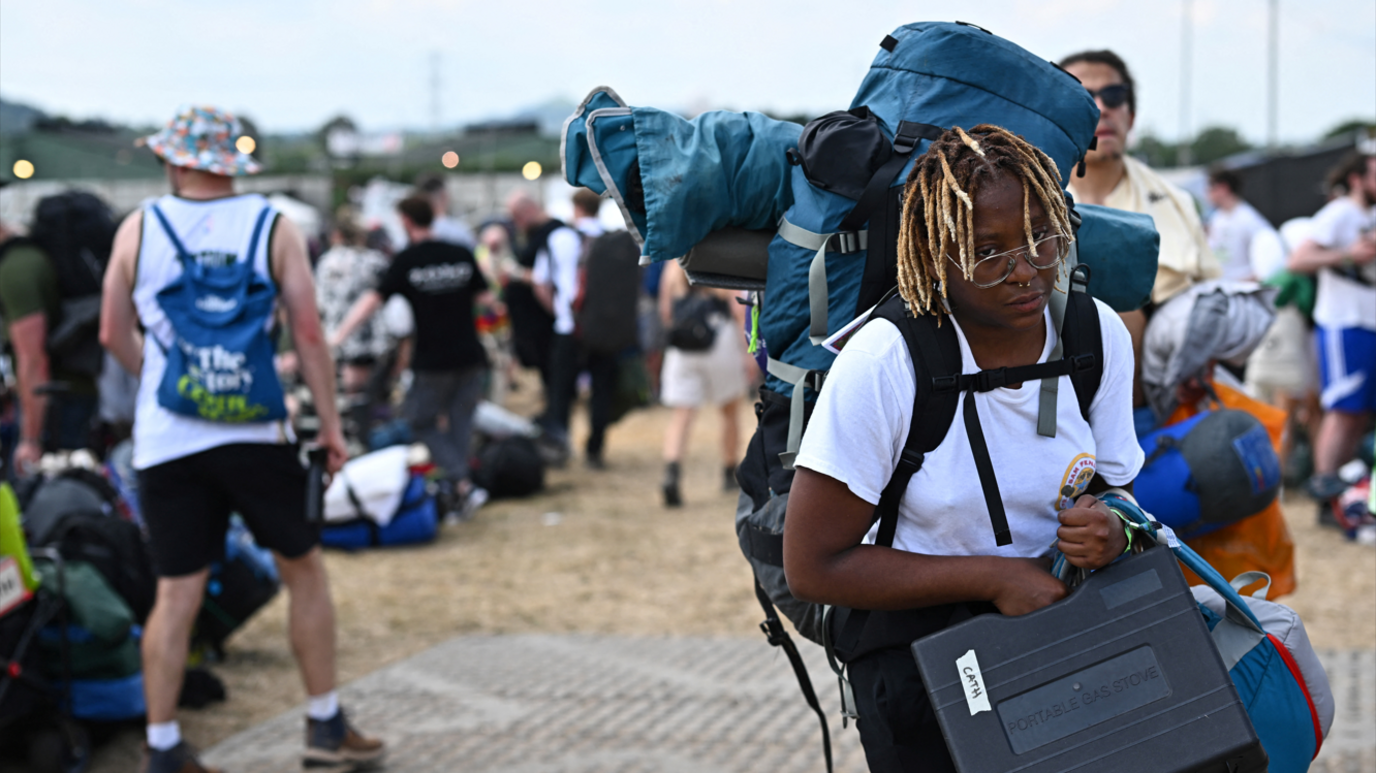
(441, 281)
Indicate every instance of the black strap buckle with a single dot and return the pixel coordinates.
(773, 631)
(909, 462)
(989, 380)
(844, 242)
(815, 379)
(1081, 362)
(945, 383)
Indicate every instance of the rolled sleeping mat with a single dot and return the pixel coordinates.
(731, 258)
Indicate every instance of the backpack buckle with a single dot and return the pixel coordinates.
(844, 242)
(1081, 362)
(989, 380)
(945, 383)
(910, 460)
(773, 631)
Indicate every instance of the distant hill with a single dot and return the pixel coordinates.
(17, 118)
(549, 115)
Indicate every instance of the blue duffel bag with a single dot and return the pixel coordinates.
(416, 521)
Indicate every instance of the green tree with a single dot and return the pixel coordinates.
(1216, 142)
(1351, 127)
(1155, 152)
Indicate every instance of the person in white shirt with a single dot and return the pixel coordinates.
(445, 228)
(1341, 249)
(1240, 237)
(193, 470)
(984, 233)
(556, 280)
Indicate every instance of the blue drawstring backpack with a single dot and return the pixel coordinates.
(1282, 686)
(220, 365)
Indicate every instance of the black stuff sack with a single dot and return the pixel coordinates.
(510, 467)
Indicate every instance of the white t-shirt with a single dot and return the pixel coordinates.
(1341, 302)
(558, 263)
(861, 421)
(218, 228)
(448, 229)
(1232, 234)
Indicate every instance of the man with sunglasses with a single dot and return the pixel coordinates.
(1115, 179)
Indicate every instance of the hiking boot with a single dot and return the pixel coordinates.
(672, 497)
(595, 462)
(728, 479)
(1325, 487)
(179, 759)
(334, 744)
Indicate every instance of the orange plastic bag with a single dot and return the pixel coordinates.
(1259, 543)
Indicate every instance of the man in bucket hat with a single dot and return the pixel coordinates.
(194, 468)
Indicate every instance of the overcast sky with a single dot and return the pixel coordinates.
(293, 64)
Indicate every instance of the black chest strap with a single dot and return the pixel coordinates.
(936, 359)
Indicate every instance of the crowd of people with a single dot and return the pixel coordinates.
(209, 286)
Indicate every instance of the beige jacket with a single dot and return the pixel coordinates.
(1185, 255)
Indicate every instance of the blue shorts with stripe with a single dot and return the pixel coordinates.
(1347, 364)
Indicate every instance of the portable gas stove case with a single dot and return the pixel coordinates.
(1121, 675)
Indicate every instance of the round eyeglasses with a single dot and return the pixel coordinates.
(993, 270)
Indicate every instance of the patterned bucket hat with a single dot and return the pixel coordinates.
(203, 138)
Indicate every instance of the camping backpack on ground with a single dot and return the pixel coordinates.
(99, 648)
(75, 230)
(1265, 649)
(238, 586)
(220, 363)
(79, 513)
(609, 284)
(509, 467)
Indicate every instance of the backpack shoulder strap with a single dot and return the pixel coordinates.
(936, 361)
(1082, 336)
(172, 237)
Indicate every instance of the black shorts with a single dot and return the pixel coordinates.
(186, 504)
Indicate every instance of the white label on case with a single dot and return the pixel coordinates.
(976, 697)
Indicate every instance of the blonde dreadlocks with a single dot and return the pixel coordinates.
(939, 210)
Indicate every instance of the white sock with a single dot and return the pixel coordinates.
(164, 735)
(323, 707)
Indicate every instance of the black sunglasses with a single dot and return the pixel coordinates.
(1112, 96)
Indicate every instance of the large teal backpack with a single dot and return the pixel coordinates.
(808, 217)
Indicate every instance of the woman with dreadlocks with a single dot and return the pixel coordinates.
(983, 237)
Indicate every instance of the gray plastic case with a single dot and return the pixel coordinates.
(1121, 675)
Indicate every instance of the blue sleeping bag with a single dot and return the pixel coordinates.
(416, 521)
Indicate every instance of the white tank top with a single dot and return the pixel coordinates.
(220, 228)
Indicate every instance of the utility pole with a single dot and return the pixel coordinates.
(1186, 33)
(1273, 75)
(435, 91)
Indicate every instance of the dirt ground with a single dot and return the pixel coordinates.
(598, 553)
